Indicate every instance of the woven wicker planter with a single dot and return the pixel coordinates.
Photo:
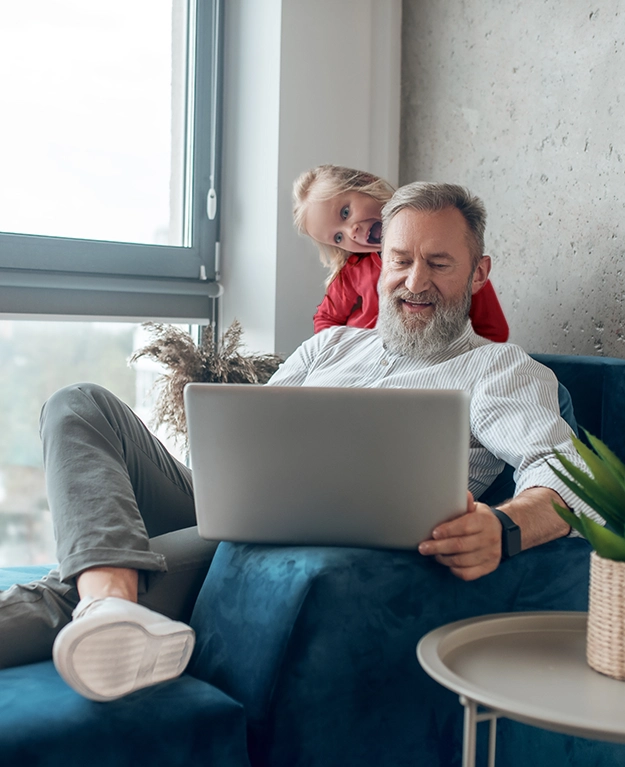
(605, 641)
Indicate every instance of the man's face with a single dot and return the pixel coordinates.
(427, 280)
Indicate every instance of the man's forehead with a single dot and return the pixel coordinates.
(411, 228)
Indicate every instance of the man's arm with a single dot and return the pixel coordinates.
(470, 545)
(514, 415)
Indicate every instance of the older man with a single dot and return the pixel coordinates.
(432, 263)
(113, 487)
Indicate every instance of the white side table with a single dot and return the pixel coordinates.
(530, 667)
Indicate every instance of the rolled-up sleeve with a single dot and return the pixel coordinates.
(515, 415)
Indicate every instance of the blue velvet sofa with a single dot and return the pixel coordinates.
(305, 657)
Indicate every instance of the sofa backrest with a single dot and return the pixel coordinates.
(597, 388)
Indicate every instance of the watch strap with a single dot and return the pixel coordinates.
(510, 534)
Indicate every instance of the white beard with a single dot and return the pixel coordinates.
(414, 336)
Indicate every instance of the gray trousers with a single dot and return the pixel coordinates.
(118, 498)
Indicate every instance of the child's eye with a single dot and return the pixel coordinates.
(338, 238)
(345, 212)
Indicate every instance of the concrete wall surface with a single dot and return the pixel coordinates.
(524, 103)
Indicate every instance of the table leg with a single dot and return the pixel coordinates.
(471, 719)
(492, 740)
(470, 727)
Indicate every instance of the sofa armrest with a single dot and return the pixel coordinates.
(319, 644)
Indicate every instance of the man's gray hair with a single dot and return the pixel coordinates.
(427, 196)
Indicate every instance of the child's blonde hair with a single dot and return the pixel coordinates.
(323, 183)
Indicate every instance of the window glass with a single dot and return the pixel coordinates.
(109, 149)
(89, 144)
(36, 359)
(109, 145)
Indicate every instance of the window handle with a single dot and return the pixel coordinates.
(211, 203)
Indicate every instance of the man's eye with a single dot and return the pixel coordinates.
(345, 212)
(338, 238)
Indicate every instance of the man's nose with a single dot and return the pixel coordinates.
(417, 278)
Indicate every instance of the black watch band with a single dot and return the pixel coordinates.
(510, 534)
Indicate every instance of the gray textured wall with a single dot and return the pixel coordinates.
(524, 103)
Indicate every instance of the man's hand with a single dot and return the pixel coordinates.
(469, 545)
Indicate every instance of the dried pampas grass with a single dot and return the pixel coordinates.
(210, 362)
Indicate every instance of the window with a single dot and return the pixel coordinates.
(109, 211)
(36, 359)
(109, 148)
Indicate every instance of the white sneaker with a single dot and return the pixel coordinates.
(114, 647)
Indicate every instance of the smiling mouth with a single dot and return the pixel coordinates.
(416, 305)
(417, 301)
(375, 234)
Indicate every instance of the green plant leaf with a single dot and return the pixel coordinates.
(569, 517)
(571, 483)
(607, 544)
(584, 487)
(594, 494)
(611, 460)
(602, 501)
(610, 485)
(603, 490)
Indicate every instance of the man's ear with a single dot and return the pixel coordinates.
(480, 275)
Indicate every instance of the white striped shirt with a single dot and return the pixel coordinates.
(515, 415)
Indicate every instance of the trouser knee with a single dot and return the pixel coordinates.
(76, 400)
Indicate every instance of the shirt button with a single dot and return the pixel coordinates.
(384, 362)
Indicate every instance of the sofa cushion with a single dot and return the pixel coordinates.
(184, 722)
(319, 646)
(25, 574)
(44, 723)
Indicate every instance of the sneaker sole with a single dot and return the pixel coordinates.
(110, 661)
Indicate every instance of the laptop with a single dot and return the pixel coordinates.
(326, 466)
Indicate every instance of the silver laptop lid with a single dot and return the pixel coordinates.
(327, 466)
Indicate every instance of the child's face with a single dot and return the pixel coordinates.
(350, 220)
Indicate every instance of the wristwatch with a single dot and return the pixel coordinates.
(510, 534)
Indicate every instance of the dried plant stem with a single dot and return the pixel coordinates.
(208, 362)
